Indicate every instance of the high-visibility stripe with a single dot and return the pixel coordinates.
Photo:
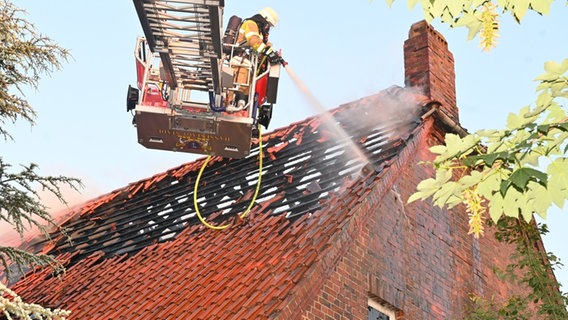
(252, 33)
(254, 38)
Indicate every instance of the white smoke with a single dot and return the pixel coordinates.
(58, 210)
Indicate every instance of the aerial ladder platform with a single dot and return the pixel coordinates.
(185, 79)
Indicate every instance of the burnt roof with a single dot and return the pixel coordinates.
(141, 252)
(302, 165)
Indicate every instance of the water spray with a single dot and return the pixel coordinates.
(329, 122)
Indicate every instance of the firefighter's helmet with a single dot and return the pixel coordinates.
(270, 15)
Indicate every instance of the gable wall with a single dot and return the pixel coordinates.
(417, 259)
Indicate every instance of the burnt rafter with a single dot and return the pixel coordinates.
(304, 164)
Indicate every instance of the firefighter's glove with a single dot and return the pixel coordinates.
(272, 55)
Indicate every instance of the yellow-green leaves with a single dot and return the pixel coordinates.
(454, 147)
(541, 6)
(435, 188)
(556, 69)
(518, 171)
(481, 17)
(470, 20)
(554, 80)
(558, 181)
(520, 9)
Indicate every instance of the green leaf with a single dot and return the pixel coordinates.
(505, 184)
(453, 143)
(389, 3)
(473, 161)
(446, 17)
(543, 128)
(521, 177)
(488, 159)
(562, 126)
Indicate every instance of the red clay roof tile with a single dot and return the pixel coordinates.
(141, 252)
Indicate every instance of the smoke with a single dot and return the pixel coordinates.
(392, 110)
(58, 210)
(393, 105)
(328, 121)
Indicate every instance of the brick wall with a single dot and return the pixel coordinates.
(415, 258)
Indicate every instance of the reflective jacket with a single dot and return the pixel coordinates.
(250, 35)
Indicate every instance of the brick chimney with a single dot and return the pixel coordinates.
(429, 65)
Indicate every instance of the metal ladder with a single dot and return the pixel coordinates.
(187, 35)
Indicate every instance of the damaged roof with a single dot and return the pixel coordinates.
(141, 250)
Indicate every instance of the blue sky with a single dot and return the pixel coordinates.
(342, 50)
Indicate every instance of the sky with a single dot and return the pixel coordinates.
(341, 50)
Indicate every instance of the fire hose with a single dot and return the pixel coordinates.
(246, 212)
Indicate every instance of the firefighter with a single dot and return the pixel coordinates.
(253, 33)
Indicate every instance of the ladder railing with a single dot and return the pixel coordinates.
(187, 36)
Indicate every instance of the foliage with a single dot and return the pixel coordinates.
(530, 267)
(20, 206)
(12, 305)
(514, 308)
(25, 55)
(479, 16)
(516, 171)
(519, 170)
(535, 264)
(507, 173)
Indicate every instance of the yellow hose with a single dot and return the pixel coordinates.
(253, 198)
